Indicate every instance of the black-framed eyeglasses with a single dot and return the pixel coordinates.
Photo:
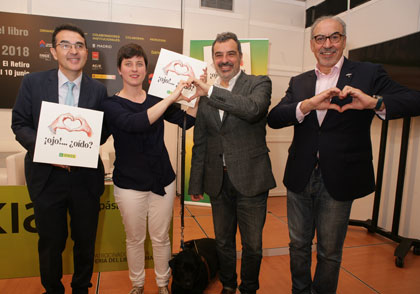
(67, 45)
(334, 38)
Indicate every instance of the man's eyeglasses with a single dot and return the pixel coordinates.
(67, 45)
(334, 38)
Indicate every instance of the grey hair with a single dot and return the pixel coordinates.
(223, 37)
(318, 20)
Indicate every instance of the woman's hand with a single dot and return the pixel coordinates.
(176, 95)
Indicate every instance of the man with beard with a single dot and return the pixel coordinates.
(230, 161)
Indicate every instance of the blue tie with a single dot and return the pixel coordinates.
(70, 97)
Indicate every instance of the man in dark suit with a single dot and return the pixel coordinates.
(56, 190)
(230, 161)
(330, 158)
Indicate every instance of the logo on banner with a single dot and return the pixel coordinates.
(96, 66)
(43, 44)
(45, 56)
(102, 46)
(95, 55)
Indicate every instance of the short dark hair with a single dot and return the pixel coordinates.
(129, 51)
(67, 27)
(223, 37)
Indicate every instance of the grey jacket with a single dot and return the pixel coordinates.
(240, 137)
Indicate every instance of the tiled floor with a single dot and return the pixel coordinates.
(368, 265)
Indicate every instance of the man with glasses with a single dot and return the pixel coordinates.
(330, 158)
(56, 190)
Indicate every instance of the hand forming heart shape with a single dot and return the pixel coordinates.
(180, 68)
(348, 98)
(70, 123)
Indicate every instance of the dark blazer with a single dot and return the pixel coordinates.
(343, 140)
(240, 137)
(43, 86)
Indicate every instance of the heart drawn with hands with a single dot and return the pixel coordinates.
(70, 123)
(181, 69)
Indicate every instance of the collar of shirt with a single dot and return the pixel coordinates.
(326, 81)
(232, 82)
(63, 88)
(62, 79)
(335, 69)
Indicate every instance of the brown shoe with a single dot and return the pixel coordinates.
(228, 291)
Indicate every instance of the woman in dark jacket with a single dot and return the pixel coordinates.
(144, 181)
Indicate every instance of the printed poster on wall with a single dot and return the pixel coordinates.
(26, 42)
(171, 68)
(257, 65)
(68, 135)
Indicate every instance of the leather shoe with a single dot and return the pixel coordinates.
(228, 291)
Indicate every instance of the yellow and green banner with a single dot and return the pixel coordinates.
(19, 240)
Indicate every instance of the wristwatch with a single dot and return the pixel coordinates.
(379, 101)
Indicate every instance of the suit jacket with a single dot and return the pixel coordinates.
(43, 86)
(343, 140)
(240, 137)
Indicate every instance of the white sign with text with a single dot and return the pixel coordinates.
(68, 135)
(171, 68)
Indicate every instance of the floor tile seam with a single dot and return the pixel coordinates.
(368, 245)
(98, 282)
(199, 225)
(200, 215)
(360, 280)
(278, 217)
(192, 214)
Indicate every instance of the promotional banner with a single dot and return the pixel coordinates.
(257, 49)
(68, 135)
(26, 42)
(171, 68)
(19, 240)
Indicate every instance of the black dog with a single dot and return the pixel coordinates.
(194, 267)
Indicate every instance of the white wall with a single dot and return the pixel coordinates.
(282, 22)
